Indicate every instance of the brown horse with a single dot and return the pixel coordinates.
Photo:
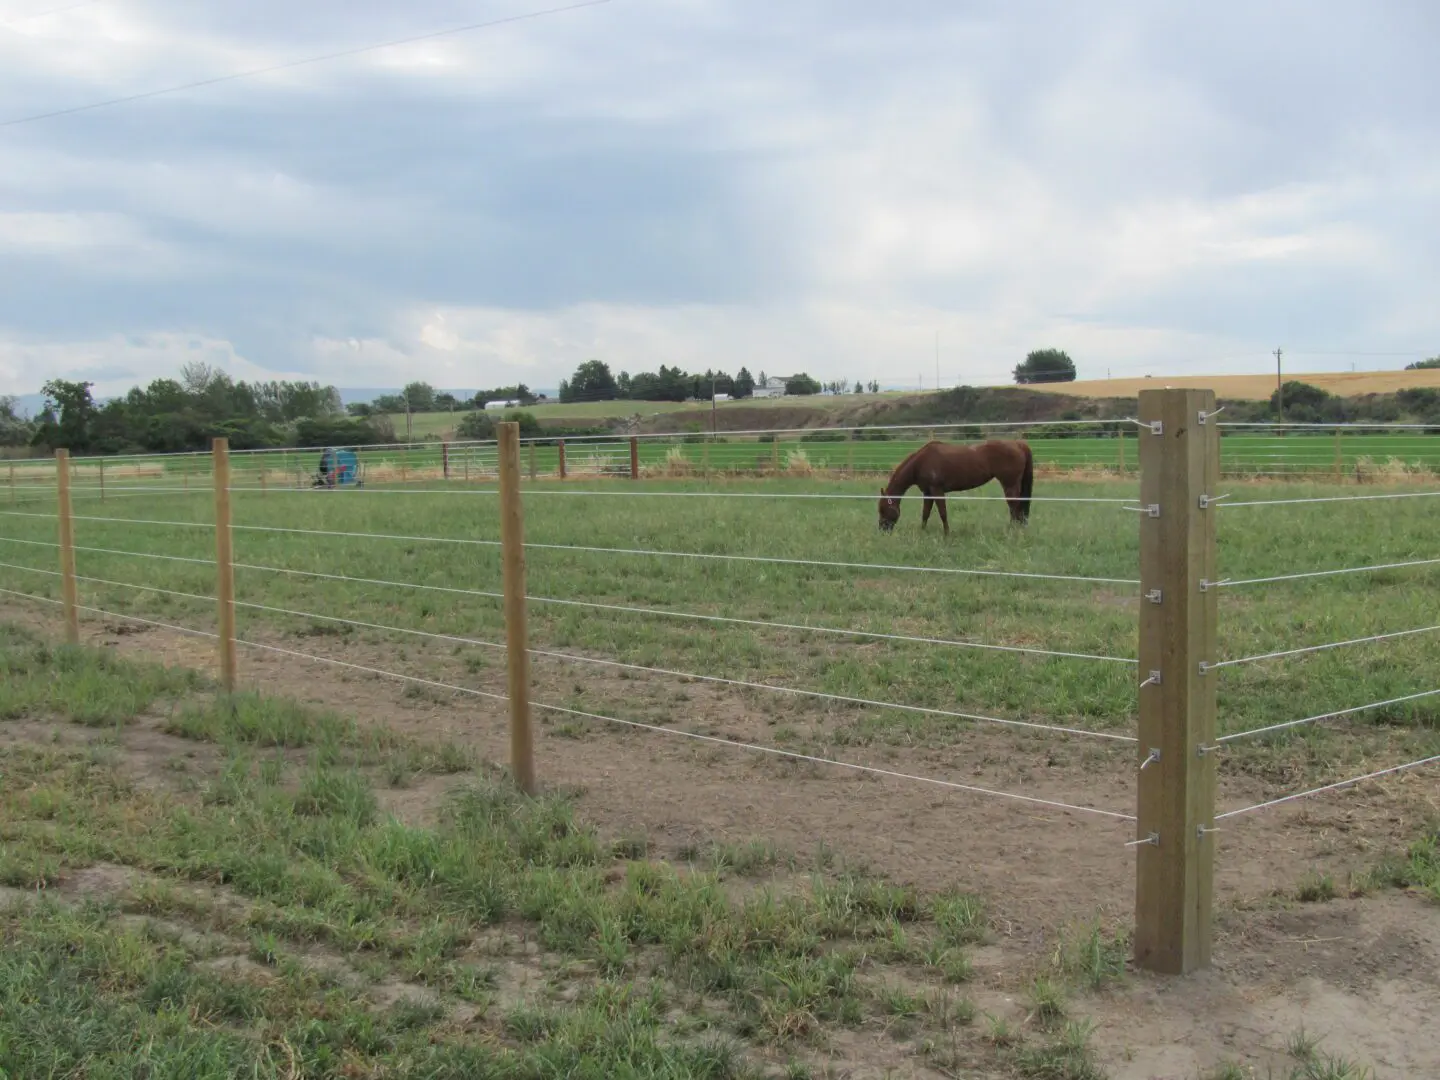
(937, 468)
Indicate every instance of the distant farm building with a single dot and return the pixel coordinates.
(496, 406)
(774, 386)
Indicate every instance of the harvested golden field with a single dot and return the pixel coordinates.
(1254, 387)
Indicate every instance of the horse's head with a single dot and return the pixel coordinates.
(889, 511)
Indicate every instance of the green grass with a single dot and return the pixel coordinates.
(1296, 455)
(1079, 539)
(282, 852)
(38, 679)
(1418, 868)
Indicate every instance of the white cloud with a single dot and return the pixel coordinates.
(814, 185)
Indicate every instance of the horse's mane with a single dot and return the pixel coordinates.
(906, 467)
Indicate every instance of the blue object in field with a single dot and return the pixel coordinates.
(339, 468)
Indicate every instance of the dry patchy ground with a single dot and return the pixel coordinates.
(1355, 967)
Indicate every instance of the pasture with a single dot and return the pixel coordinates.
(646, 608)
(1322, 454)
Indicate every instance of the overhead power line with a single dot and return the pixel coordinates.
(287, 65)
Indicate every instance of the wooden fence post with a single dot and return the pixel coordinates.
(634, 458)
(445, 460)
(224, 565)
(67, 548)
(560, 446)
(1122, 452)
(102, 479)
(1339, 459)
(517, 644)
(533, 471)
(1175, 801)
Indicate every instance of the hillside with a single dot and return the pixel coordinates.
(1368, 395)
(1260, 387)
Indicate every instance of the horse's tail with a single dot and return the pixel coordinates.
(1027, 482)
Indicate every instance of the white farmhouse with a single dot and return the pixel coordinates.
(773, 386)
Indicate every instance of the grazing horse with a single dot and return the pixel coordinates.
(937, 468)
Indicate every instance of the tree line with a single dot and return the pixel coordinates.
(594, 381)
(175, 415)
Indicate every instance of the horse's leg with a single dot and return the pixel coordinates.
(1012, 500)
(925, 515)
(944, 517)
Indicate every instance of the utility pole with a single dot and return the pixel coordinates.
(1279, 390)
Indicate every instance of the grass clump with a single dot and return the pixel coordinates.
(1091, 959)
(85, 686)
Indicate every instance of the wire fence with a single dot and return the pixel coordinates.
(250, 485)
(1346, 452)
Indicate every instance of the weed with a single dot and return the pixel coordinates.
(1090, 958)
(1301, 1045)
(1047, 1002)
(1067, 1058)
(1316, 888)
(960, 918)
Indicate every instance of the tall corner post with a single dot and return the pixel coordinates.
(68, 591)
(517, 644)
(634, 458)
(224, 566)
(1175, 802)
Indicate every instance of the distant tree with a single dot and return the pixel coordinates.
(14, 430)
(744, 384)
(69, 413)
(361, 409)
(388, 403)
(529, 426)
(1046, 366)
(801, 385)
(342, 431)
(446, 401)
(859, 387)
(420, 397)
(1307, 404)
(1423, 365)
(477, 425)
(592, 381)
(874, 387)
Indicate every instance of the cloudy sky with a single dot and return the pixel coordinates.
(818, 185)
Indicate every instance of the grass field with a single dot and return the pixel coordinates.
(1254, 387)
(422, 424)
(1240, 387)
(1351, 456)
(257, 903)
(1069, 539)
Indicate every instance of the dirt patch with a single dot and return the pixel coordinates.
(1358, 975)
(1041, 866)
